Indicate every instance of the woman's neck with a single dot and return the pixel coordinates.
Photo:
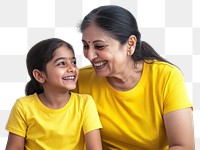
(127, 79)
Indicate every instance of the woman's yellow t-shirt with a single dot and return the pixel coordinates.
(134, 119)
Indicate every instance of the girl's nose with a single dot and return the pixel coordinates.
(71, 68)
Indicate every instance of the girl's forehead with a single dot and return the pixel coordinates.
(63, 51)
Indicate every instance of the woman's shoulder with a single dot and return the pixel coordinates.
(161, 66)
(86, 69)
(163, 71)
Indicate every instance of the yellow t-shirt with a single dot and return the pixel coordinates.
(49, 129)
(133, 120)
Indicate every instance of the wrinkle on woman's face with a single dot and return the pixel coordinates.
(105, 53)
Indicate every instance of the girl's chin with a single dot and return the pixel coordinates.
(70, 87)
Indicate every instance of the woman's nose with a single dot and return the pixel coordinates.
(90, 54)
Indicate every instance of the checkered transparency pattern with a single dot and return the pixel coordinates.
(171, 27)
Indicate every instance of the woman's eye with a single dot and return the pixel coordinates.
(99, 46)
(85, 46)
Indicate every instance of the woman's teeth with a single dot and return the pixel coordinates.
(99, 64)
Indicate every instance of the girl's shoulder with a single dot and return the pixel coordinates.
(81, 97)
(27, 100)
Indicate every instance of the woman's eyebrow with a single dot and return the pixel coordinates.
(93, 41)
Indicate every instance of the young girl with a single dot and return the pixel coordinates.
(51, 117)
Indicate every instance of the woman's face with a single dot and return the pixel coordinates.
(108, 57)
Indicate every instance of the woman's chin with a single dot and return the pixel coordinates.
(101, 73)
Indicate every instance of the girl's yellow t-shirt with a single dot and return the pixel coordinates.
(49, 129)
(133, 119)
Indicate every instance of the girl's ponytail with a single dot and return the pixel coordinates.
(33, 87)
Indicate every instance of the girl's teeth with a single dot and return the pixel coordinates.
(69, 78)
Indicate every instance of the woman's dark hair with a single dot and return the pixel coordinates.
(119, 23)
(38, 57)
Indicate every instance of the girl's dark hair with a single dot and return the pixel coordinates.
(119, 23)
(38, 57)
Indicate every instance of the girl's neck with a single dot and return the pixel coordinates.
(54, 101)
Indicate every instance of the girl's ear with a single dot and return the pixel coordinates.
(38, 75)
(131, 44)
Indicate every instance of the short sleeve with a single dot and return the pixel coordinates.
(16, 122)
(91, 118)
(176, 95)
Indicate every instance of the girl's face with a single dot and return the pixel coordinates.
(108, 57)
(61, 72)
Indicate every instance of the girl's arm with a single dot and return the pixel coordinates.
(15, 142)
(180, 130)
(93, 140)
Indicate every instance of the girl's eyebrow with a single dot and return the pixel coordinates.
(63, 58)
(60, 58)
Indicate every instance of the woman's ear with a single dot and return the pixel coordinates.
(38, 75)
(132, 40)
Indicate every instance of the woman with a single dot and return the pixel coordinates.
(141, 98)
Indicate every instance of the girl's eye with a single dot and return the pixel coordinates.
(61, 64)
(74, 62)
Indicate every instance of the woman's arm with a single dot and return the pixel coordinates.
(15, 142)
(93, 140)
(180, 129)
